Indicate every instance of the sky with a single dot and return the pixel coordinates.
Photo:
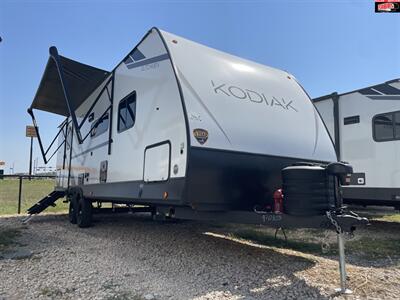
(329, 46)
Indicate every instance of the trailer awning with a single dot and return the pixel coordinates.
(80, 80)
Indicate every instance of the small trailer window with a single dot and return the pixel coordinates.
(397, 125)
(351, 120)
(127, 112)
(386, 127)
(100, 126)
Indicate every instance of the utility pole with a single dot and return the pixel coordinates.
(30, 159)
(31, 133)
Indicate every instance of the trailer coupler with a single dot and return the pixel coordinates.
(345, 222)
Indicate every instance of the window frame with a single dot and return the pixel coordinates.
(118, 112)
(393, 114)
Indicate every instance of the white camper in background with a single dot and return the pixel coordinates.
(365, 125)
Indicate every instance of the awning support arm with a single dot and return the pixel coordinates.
(54, 55)
(111, 97)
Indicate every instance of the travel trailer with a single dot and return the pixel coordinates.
(365, 126)
(185, 131)
(180, 130)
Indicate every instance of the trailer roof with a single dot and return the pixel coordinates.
(81, 80)
(382, 88)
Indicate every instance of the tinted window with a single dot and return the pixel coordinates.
(100, 126)
(127, 112)
(397, 125)
(387, 126)
(383, 127)
(351, 120)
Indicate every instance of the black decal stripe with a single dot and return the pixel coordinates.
(148, 61)
(386, 89)
(380, 89)
(368, 91)
(91, 149)
(137, 55)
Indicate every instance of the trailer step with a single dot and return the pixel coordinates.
(47, 201)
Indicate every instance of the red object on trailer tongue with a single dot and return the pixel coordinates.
(278, 201)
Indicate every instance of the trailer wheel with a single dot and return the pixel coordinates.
(73, 207)
(84, 212)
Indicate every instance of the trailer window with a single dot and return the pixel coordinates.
(386, 127)
(127, 112)
(100, 126)
(397, 125)
(351, 120)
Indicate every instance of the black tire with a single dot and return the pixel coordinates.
(84, 212)
(73, 207)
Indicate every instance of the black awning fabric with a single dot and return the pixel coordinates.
(80, 81)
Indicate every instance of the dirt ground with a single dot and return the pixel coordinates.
(134, 257)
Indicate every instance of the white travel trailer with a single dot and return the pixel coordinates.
(187, 131)
(181, 130)
(365, 125)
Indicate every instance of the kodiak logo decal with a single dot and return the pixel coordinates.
(201, 135)
(252, 96)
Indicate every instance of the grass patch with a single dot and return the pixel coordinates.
(8, 237)
(267, 239)
(366, 247)
(32, 191)
(389, 218)
(371, 247)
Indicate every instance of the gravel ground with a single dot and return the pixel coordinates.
(133, 257)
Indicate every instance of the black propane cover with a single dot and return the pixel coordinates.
(308, 190)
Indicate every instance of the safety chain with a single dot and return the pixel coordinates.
(348, 235)
(325, 245)
(334, 223)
